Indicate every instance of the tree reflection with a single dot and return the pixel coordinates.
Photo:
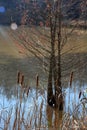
(54, 118)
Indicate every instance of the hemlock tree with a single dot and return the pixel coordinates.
(46, 36)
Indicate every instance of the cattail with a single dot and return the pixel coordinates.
(80, 94)
(71, 78)
(37, 80)
(18, 77)
(22, 80)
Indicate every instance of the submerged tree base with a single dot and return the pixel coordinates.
(57, 104)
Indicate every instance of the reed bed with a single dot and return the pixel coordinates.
(31, 112)
(77, 120)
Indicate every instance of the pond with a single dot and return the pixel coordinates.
(28, 108)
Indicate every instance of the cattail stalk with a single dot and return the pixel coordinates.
(37, 80)
(22, 80)
(18, 77)
(71, 78)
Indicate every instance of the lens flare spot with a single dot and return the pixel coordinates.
(14, 26)
(2, 9)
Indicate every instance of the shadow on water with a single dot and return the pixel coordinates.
(76, 63)
(32, 109)
(9, 67)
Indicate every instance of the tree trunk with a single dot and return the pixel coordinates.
(50, 89)
(52, 69)
(54, 78)
(58, 89)
(59, 96)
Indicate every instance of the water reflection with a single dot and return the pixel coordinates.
(9, 66)
(33, 108)
(54, 118)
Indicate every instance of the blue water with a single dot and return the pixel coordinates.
(34, 104)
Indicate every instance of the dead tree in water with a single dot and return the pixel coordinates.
(55, 63)
(49, 45)
(60, 11)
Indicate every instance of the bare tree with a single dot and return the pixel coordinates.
(48, 43)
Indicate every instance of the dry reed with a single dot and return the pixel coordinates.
(35, 117)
